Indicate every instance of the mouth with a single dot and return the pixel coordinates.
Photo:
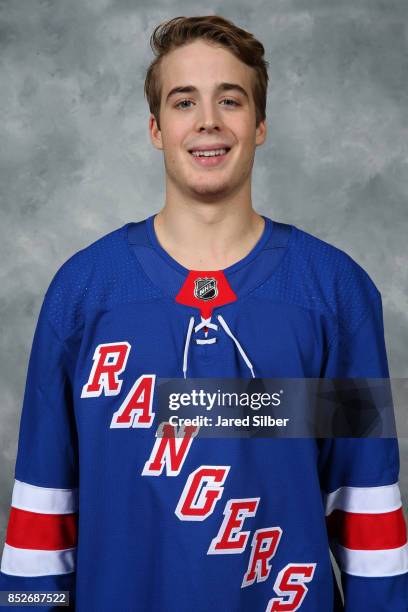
(210, 158)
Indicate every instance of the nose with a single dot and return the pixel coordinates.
(208, 126)
(208, 118)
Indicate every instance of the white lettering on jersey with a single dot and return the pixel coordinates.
(198, 500)
(109, 360)
(290, 584)
(264, 545)
(230, 539)
(136, 409)
(170, 449)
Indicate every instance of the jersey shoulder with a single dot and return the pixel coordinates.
(347, 288)
(101, 275)
(328, 260)
(320, 277)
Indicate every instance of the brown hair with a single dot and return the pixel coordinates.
(181, 30)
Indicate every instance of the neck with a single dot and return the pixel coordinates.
(208, 236)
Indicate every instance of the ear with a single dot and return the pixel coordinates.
(261, 133)
(155, 133)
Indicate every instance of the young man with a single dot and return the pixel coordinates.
(124, 514)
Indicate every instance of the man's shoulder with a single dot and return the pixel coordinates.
(329, 262)
(96, 254)
(317, 276)
(101, 274)
(332, 279)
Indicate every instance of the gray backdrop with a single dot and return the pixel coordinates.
(76, 159)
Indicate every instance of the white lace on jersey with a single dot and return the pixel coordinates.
(207, 323)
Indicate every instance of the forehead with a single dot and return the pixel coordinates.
(203, 64)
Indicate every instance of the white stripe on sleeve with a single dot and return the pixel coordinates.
(43, 499)
(26, 562)
(372, 563)
(364, 500)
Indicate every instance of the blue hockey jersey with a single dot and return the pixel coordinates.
(129, 520)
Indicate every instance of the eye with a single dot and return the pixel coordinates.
(181, 102)
(230, 100)
(234, 103)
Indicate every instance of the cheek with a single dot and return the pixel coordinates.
(174, 132)
(247, 130)
(243, 129)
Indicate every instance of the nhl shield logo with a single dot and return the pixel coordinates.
(205, 288)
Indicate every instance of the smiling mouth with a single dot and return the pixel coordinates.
(204, 159)
(210, 153)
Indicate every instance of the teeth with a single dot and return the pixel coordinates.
(209, 153)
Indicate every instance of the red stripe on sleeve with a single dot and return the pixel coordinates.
(41, 531)
(368, 531)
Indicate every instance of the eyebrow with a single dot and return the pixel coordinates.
(220, 87)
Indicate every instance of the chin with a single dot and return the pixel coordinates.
(208, 185)
(210, 191)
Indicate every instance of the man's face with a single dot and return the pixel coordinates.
(207, 115)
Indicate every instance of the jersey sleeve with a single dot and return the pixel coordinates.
(359, 478)
(41, 539)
